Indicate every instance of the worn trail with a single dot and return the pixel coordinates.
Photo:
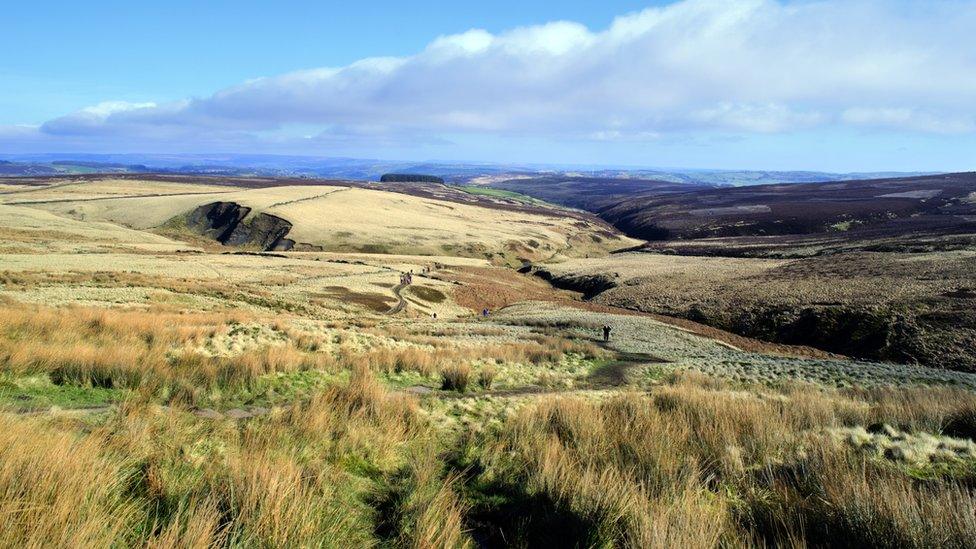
(401, 301)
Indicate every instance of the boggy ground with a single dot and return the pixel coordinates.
(157, 393)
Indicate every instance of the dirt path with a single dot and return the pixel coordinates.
(401, 301)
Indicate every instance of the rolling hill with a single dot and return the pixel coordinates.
(329, 216)
(943, 203)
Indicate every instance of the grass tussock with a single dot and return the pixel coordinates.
(486, 376)
(698, 465)
(57, 489)
(456, 378)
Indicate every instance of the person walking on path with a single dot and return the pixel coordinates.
(606, 332)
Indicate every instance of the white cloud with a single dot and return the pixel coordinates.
(106, 108)
(906, 118)
(473, 42)
(769, 118)
(752, 66)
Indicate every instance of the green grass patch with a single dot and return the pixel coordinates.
(281, 388)
(500, 193)
(39, 393)
(429, 295)
(408, 378)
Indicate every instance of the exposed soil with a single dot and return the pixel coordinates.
(232, 225)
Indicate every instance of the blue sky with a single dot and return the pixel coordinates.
(841, 85)
(67, 55)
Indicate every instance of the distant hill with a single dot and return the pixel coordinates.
(945, 203)
(591, 193)
(265, 165)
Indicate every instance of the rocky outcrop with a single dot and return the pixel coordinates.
(590, 285)
(232, 225)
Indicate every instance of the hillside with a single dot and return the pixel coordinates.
(942, 203)
(165, 390)
(895, 306)
(330, 216)
(591, 193)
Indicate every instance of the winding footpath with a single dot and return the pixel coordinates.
(401, 301)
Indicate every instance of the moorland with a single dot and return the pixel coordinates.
(232, 361)
(875, 269)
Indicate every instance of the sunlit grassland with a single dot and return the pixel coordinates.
(349, 453)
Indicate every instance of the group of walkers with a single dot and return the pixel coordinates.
(406, 279)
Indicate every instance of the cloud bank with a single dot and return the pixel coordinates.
(692, 67)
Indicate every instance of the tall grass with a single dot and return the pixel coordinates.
(697, 465)
(694, 462)
(164, 478)
(156, 353)
(59, 490)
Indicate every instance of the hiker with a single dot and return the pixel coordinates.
(606, 333)
(484, 312)
(433, 315)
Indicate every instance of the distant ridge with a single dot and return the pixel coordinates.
(359, 169)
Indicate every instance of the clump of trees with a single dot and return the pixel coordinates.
(410, 178)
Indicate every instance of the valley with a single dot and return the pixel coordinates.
(260, 362)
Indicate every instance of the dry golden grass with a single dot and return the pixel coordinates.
(59, 490)
(239, 293)
(163, 478)
(456, 378)
(698, 465)
(412, 225)
(695, 462)
(150, 352)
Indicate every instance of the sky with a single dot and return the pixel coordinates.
(830, 85)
